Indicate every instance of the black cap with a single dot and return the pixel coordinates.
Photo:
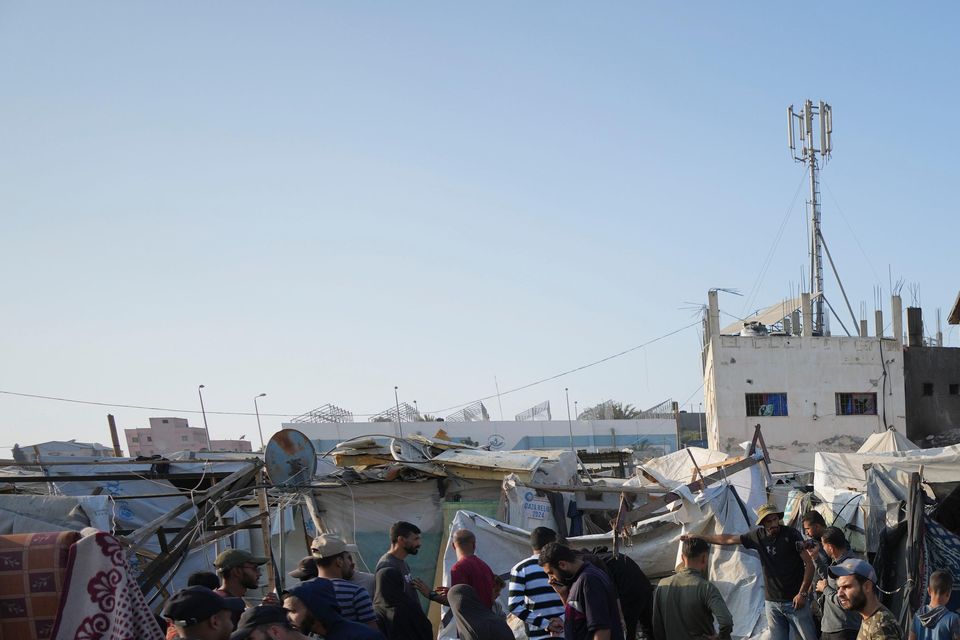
(306, 569)
(193, 605)
(256, 616)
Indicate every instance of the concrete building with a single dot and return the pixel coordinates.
(808, 392)
(59, 448)
(931, 383)
(166, 435)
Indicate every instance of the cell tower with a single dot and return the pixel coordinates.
(808, 155)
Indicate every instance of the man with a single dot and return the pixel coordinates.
(266, 622)
(787, 572)
(857, 591)
(837, 623)
(360, 578)
(198, 613)
(311, 608)
(404, 542)
(933, 621)
(335, 563)
(591, 611)
(813, 527)
(239, 572)
(686, 604)
(530, 596)
(469, 569)
(306, 570)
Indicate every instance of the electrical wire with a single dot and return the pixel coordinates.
(362, 415)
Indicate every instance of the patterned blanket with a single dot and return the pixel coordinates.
(941, 550)
(33, 568)
(101, 600)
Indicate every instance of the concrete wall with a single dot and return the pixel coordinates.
(811, 370)
(165, 435)
(940, 411)
(592, 435)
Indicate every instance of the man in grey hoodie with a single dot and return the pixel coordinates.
(837, 623)
(934, 621)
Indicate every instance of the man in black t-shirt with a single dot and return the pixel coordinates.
(787, 572)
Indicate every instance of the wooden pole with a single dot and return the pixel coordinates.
(265, 530)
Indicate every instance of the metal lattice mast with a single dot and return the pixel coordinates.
(808, 156)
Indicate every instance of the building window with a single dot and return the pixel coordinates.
(135, 439)
(184, 438)
(928, 388)
(955, 389)
(166, 422)
(766, 404)
(149, 439)
(856, 404)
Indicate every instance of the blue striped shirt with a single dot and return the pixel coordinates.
(354, 601)
(532, 599)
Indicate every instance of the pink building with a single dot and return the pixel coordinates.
(166, 435)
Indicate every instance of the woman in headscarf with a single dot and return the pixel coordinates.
(475, 621)
(399, 617)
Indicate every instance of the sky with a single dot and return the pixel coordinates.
(321, 201)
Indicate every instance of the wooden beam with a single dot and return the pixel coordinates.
(265, 530)
(581, 488)
(141, 535)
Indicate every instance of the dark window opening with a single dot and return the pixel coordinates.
(928, 388)
(856, 404)
(955, 389)
(766, 404)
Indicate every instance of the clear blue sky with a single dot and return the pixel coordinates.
(323, 200)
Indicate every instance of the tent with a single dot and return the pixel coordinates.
(889, 440)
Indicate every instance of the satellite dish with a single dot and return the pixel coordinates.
(290, 458)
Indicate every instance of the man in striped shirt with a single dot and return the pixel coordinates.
(335, 563)
(531, 597)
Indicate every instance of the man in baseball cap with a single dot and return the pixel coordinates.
(857, 591)
(266, 622)
(312, 608)
(198, 613)
(239, 571)
(335, 563)
(306, 570)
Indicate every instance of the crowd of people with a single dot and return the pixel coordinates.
(815, 587)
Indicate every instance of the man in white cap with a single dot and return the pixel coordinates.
(857, 591)
(787, 572)
(335, 563)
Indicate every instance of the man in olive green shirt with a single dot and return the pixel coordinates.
(686, 604)
(857, 591)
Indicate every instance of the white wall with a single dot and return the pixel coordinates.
(811, 370)
(591, 435)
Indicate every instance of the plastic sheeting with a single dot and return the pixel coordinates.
(34, 514)
(840, 480)
(889, 440)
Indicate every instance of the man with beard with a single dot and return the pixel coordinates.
(787, 572)
(266, 622)
(405, 541)
(530, 596)
(335, 563)
(857, 591)
(312, 608)
(239, 572)
(590, 611)
(837, 623)
(198, 613)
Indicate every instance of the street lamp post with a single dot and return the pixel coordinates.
(569, 421)
(257, 410)
(206, 429)
(396, 398)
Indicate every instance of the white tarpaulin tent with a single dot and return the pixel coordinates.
(840, 479)
(889, 440)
